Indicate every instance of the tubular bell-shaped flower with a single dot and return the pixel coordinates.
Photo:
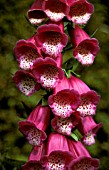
(65, 125)
(35, 125)
(26, 82)
(26, 53)
(34, 158)
(51, 39)
(85, 48)
(81, 157)
(57, 156)
(80, 11)
(89, 98)
(88, 128)
(64, 103)
(55, 9)
(36, 14)
(47, 73)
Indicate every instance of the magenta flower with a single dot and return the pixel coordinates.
(81, 157)
(51, 39)
(26, 82)
(47, 73)
(89, 102)
(57, 156)
(80, 11)
(55, 9)
(64, 103)
(36, 14)
(65, 125)
(89, 98)
(33, 128)
(34, 159)
(26, 53)
(85, 48)
(88, 128)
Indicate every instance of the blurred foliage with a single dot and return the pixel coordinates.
(14, 26)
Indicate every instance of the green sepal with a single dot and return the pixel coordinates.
(74, 136)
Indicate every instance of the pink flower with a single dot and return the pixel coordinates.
(88, 128)
(85, 48)
(65, 125)
(89, 98)
(80, 11)
(33, 128)
(55, 9)
(81, 157)
(64, 103)
(51, 39)
(57, 156)
(26, 53)
(34, 158)
(26, 82)
(36, 14)
(47, 73)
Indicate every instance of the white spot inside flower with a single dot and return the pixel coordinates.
(61, 106)
(79, 13)
(86, 107)
(27, 60)
(89, 139)
(55, 10)
(27, 85)
(84, 54)
(64, 125)
(52, 44)
(36, 21)
(56, 162)
(54, 15)
(81, 19)
(34, 137)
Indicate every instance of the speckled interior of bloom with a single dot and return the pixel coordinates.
(52, 43)
(79, 14)
(36, 16)
(27, 85)
(28, 57)
(83, 164)
(34, 137)
(87, 107)
(49, 77)
(64, 125)
(88, 139)
(34, 166)
(85, 53)
(62, 105)
(56, 162)
(55, 10)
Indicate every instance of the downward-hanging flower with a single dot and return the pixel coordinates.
(36, 15)
(34, 158)
(81, 157)
(55, 9)
(85, 48)
(47, 73)
(88, 128)
(35, 125)
(65, 125)
(57, 155)
(89, 98)
(80, 11)
(51, 39)
(26, 82)
(64, 103)
(26, 53)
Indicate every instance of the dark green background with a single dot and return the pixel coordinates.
(14, 26)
